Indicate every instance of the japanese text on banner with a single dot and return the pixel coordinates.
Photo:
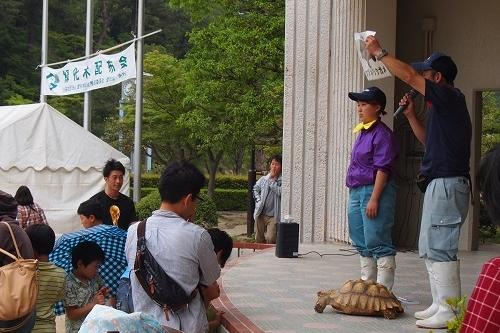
(97, 72)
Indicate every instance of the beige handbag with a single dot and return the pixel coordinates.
(18, 285)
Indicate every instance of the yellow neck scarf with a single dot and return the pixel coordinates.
(361, 126)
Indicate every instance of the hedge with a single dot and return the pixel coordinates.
(150, 180)
(206, 212)
(231, 182)
(230, 199)
(223, 200)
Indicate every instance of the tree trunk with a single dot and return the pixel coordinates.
(106, 22)
(212, 165)
(260, 162)
(238, 160)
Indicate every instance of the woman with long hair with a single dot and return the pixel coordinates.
(28, 212)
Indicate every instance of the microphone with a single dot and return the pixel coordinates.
(412, 93)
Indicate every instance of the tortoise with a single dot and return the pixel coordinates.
(360, 297)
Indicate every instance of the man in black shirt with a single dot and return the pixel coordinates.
(447, 137)
(118, 209)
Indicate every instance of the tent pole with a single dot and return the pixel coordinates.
(88, 51)
(138, 104)
(45, 40)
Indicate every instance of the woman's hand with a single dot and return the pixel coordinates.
(372, 208)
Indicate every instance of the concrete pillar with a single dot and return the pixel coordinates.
(320, 68)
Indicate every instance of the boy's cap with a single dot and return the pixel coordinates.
(439, 62)
(368, 95)
(8, 205)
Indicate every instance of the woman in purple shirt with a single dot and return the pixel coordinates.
(372, 192)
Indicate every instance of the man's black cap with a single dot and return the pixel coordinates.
(439, 62)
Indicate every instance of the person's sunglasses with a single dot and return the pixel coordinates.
(197, 197)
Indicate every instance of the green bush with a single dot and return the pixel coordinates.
(150, 180)
(147, 205)
(230, 199)
(144, 191)
(206, 213)
(147, 190)
(231, 182)
(458, 305)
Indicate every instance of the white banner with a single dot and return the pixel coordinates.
(373, 69)
(94, 73)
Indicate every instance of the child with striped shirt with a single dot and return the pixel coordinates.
(50, 278)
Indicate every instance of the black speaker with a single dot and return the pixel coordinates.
(287, 240)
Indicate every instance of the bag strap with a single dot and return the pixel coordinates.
(19, 256)
(17, 326)
(141, 247)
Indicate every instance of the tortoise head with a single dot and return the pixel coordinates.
(323, 300)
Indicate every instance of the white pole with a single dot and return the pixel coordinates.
(138, 104)
(88, 51)
(45, 41)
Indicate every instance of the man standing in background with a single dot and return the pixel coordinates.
(267, 195)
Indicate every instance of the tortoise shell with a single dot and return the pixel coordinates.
(360, 297)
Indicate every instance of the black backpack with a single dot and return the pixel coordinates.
(159, 286)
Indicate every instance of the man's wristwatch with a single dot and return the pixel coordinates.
(380, 54)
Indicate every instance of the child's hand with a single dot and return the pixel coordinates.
(218, 317)
(99, 298)
(112, 301)
(211, 292)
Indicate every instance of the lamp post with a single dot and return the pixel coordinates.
(252, 176)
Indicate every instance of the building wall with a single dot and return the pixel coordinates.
(321, 67)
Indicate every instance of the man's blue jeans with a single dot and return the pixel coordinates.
(372, 237)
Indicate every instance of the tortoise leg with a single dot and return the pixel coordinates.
(389, 314)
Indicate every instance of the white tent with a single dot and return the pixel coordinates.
(56, 158)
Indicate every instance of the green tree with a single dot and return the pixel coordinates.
(235, 80)
(164, 93)
(491, 124)
(20, 37)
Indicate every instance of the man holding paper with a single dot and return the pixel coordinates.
(445, 169)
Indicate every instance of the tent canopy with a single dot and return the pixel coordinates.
(56, 158)
(38, 136)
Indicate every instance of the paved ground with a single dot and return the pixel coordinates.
(278, 295)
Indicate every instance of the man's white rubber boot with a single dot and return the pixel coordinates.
(447, 283)
(368, 268)
(433, 308)
(386, 266)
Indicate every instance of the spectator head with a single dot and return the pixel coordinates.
(223, 245)
(23, 196)
(91, 213)
(112, 165)
(180, 185)
(42, 238)
(113, 173)
(8, 205)
(489, 183)
(275, 165)
(86, 258)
